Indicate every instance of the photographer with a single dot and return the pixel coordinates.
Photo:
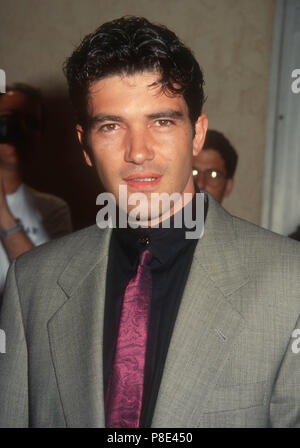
(27, 217)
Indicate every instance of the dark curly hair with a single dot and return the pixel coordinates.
(217, 141)
(129, 45)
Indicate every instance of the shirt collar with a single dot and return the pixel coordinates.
(165, 244)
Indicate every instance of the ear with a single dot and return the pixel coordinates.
(200, 133)
(79, 131)
(229, 186)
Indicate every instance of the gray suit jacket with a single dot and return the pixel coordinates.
(230, 362)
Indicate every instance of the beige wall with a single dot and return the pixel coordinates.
(231, 39)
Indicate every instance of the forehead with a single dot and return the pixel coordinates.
(14, 101)
(209, 158)
(140, 91)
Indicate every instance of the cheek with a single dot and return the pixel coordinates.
(176, 149)
(218, 189)
(106, 154)
(101, 142)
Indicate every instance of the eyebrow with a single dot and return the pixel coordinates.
(103, 118)
(169, 113)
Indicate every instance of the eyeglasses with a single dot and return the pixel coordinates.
(211, 176)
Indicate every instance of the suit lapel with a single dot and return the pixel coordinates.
(205, 330)
(76, 333)
(207, 325)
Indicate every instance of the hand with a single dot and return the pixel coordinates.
(6, 218)
(2, 194)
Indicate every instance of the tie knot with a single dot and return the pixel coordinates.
(145, 258)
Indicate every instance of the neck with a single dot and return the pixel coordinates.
(169, 214)
(185, 198)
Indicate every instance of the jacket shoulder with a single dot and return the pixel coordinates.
(53, 256)
(253, 237)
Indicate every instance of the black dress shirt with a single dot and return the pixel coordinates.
(171, 260)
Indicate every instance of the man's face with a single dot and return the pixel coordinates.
(140, 137)
(29, 115)
(211, 174)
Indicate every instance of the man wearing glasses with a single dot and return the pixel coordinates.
(215, 165)
(143, 327)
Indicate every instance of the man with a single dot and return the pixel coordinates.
(215, 165)
(27, 217)
(143, 327)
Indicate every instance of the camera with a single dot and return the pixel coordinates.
(10, 129)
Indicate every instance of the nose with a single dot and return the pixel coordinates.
(200, 179)
(138, 147)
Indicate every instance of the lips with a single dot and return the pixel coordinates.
(143, 181)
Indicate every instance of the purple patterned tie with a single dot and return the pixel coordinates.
(123, 401)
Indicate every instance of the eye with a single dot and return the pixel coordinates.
(164, 123)
(213, 174)
(109, 127)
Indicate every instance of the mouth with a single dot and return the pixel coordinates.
(143, 181)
